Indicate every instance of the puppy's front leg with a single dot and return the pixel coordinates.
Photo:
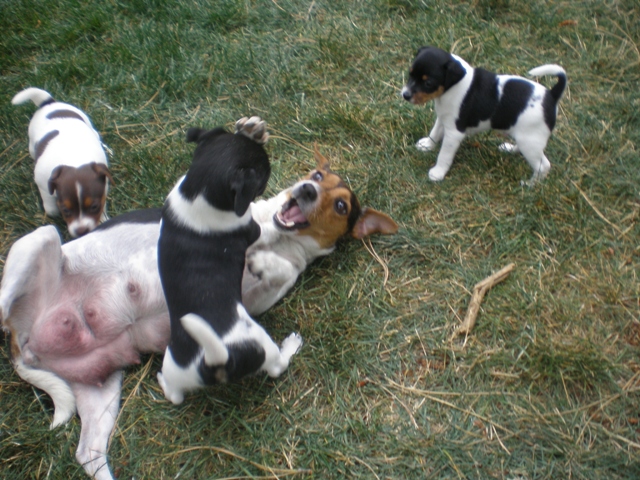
(427, 144)
(98, 410)
(450, 144)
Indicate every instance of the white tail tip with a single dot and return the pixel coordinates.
(547, 70)
(36, 95)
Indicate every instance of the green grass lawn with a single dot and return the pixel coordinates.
(547, 385)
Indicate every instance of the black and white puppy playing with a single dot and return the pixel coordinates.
(71, 168)
(206, 229)
(470, 100)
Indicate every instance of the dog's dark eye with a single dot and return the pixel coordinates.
(65, 212)
(95, 208)
(341, 207)
(316, 176)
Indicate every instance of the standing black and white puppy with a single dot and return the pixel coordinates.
(470, 100)
(206, 229)
(71, 168)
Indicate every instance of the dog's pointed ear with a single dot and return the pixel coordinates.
(53, 179)
(454, 73)
(103, 170)
(322, 162)
(372, 221)
(245, 188)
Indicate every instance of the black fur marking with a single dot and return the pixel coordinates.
(247, 176)
(49, 101)
(148, 215)
(244, 359)
(549, 103)
(43, 142)
(480, 102)
(516, 94)
(64, 114)
(201, 274)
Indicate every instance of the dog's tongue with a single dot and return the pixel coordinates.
(294, 215)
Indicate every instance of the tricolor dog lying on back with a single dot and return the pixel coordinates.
(204, 235)
(470, 100)
(71, 168)
(79, 313)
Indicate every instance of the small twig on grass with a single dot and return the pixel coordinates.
(367, 244)
(276, 472)
(595, 209)
(478, 294)
(153, 97)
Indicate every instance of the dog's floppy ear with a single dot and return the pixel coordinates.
(372, 221)
(194, 133)
(55, 174)
(101, 169)
(245, 187)
(453, 73)
(322, 162)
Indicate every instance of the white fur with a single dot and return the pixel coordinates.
(200, 216)
(77, 144)
(114, 257)
(529, 132)
(176, 380)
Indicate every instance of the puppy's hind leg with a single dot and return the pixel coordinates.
(533, 152)
(427, 144)
(277, 359)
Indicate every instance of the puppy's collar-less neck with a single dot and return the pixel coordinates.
(200, 216)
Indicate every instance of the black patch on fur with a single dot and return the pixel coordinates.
(48, 101)
(226, 185)
(43, 142)
(201, 274)
(244, 359)
(64, 114)
(480, 101)
(148, 215)
(515, 97)
(433, 68)
(549, 103)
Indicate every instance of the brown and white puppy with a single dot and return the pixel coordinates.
(79, 313)
(71, 168)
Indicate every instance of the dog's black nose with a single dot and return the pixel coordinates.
(307, 193)
(406, 94)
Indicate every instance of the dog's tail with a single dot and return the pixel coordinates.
(558, 71)
(215, 352)
(36, 95)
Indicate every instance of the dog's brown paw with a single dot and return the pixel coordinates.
(254, 128)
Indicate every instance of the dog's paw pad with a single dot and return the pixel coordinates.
(292, 344)
(437, 174)
(425, 144)
(254, 128)
(508, 147)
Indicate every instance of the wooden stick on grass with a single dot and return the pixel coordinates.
(478, 294)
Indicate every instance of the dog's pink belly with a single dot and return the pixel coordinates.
(88, 351)
(96, 365)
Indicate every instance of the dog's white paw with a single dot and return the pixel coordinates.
(291, 345)
(425, 144)
(436, 174)
(174, 397)
(254, 128)
(508, 147)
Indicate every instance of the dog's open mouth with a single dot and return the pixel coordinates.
(290, 217)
